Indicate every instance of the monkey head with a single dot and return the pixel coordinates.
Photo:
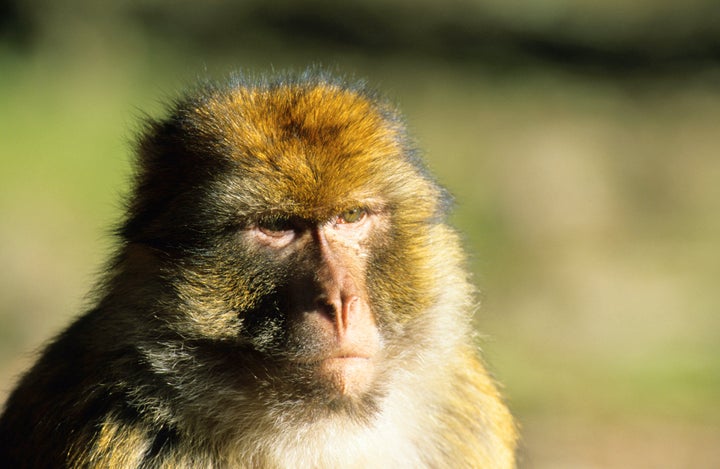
(295, 238)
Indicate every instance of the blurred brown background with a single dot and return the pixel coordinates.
(581, 140)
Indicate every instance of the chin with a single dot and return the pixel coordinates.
(347, 386)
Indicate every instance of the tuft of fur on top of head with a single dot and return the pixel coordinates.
(317, 140)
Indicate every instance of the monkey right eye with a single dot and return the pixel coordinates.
(275, 232)
(276, 225)
(272, 238)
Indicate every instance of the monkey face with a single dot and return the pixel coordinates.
(294, 223)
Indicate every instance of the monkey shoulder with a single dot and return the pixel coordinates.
(75, 395)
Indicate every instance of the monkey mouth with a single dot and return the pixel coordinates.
(341, 351)
(338, 358)
(344, 373)
(347, 375)
(344, 360)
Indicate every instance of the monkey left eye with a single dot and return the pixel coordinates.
(352, 215)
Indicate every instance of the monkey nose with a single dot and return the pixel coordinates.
(338, 310)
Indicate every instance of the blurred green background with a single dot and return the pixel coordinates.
(581, 140)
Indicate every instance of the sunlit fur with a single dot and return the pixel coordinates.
(180, 364)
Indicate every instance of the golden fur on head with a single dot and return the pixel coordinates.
(319, 145)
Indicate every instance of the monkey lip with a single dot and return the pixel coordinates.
(349, 375)
(343, 360)
(346, 352)
(338, 358)
(344, 371)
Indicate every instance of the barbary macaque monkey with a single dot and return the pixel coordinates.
(287, 293)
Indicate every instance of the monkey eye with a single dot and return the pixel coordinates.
(276, 226)
(353, 215)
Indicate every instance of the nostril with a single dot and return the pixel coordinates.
(326, 306)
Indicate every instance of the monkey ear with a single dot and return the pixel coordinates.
(154, 176)
(173, 158)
